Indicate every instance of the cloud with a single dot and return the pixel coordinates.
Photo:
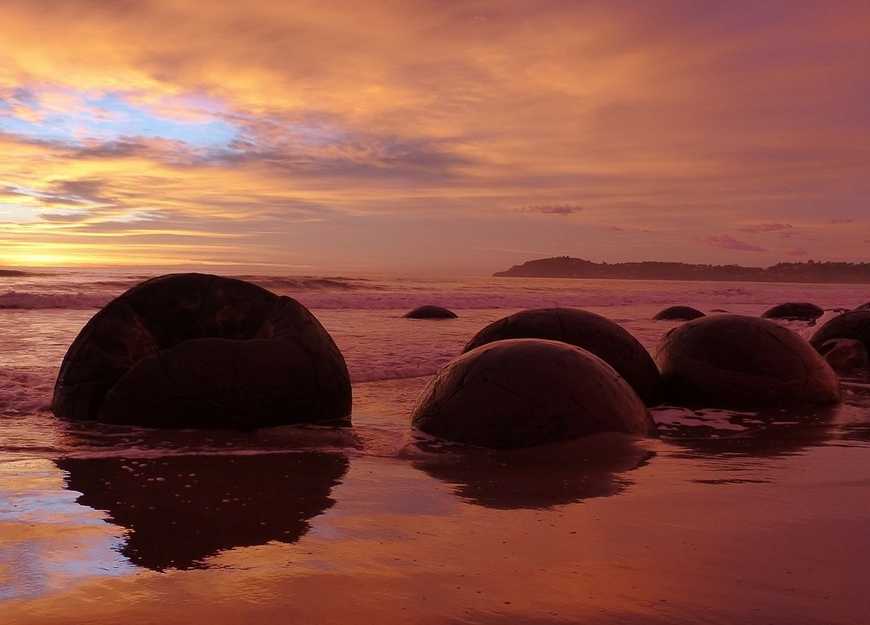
(554, 209)
(253, 118)
(840, 221)
(766, 227)
(728, 242)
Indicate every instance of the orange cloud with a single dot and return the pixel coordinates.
(290, 125)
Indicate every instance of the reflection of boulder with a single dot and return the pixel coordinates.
(540, 477)
(678, 313)
(181, 509)
(430, 312)
(854, 324)
(595, 333)
(196, 350)
(739, 361)
(526, 392)
(794, 311)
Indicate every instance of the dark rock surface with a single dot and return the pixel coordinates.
(794, 311)
(846, 356)
(739, 361)
(599, 335)
(854, 324)
(678, 313)
(198, 350)
(526, 392)
(430, 312)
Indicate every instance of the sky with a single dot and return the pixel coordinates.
(433, 136)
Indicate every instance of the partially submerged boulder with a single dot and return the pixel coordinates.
(854, 324)
(526, 392)
(846, 356)
(794, 311)
(581, 328)
(678, 313)
(430, 312)
(739, 361)
(198, 350)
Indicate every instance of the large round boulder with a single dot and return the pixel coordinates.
(605, 338)
(526, 392)
(678, 313)
(739, 361)
(198, 350)
(794, 311)
(854, 325)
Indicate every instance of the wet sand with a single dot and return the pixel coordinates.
(712, 523)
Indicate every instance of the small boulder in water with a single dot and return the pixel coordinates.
(733, 361)
(198, 350)
(794, 311)
(678, 313)
(430, 312)
(526, 392)
(854, 324)
(605, 338)
(846, 356)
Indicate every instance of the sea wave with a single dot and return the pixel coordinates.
(39, 301)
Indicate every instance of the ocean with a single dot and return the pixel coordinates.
(729, 516)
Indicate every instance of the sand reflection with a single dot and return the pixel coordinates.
(540, 477)
(181, 509)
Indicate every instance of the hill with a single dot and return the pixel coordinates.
(810, 271)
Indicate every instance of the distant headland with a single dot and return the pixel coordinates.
(810, 271)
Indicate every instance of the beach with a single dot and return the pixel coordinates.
(727, 516)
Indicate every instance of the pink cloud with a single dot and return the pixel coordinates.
(728, 242)
(555, 209)
(764, 227)
(612, 228)
(840, 221)
(798, 251)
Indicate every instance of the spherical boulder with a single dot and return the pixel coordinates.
(605, 338)
(794, 311)
(854, 324)
(736, 361)
(430, 312)
(846, 356)
(199, 350)
(525, 392)
(678, 313)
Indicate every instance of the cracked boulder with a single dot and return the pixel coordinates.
(525, 392)
(605, 338)
(736, 361)
(198, 350)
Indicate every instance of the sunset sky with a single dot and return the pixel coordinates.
(436, 136)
